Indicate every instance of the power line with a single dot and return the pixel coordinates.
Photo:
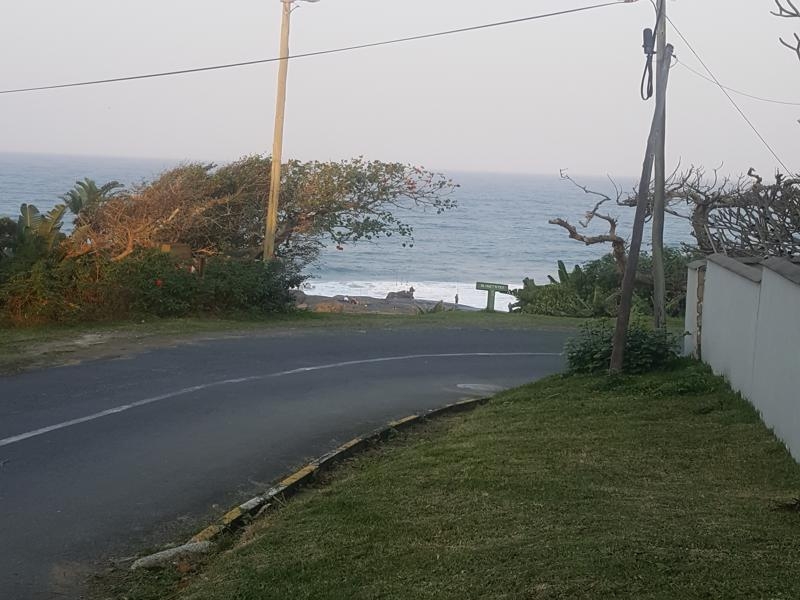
(728, 96)
(735, 91)
(316, 53)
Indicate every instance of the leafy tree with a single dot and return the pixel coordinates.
(221, 210)
(32, 238)
(86, 195)
(44, 228)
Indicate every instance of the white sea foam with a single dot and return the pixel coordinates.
(424, 290)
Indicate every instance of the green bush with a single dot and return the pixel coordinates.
(151, 282)
(645, 349)
(34, 297)
(231, 286)
(556, 300)
(147, 283)
(592, 290)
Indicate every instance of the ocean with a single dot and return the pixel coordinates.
(499, 233)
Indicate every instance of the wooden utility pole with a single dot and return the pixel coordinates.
(632, 265)
(277, 143)
(662, 72)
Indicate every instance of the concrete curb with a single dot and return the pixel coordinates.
(242, 514)
(161, 558)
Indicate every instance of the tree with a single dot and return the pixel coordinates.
(46, 229)
(85, 195)
(789, 10)
(617, 242)
(741, 216)
(221, 210)
(33, 237)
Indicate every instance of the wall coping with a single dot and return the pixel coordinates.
(697, 264)
(737, 267)
(784, 268)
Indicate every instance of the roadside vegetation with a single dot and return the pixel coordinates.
(740, 217)
(662, 485)
(593, 289)
(188, 243)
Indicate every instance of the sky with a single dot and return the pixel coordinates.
(535, 97)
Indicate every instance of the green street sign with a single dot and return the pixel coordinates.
(492, 288)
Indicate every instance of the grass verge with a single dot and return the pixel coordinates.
(660, 486)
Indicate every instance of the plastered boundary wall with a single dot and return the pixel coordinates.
(744, 321)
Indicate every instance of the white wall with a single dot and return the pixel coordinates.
(750, 333)
(776, 376)
(730, 314)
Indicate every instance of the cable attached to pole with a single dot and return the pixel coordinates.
(649, 46)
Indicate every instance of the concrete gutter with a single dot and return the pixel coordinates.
(238, 516)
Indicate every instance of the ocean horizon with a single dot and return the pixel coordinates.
(498, 233)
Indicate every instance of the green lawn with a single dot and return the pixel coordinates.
(660, 486)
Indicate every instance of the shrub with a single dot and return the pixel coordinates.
(34, 297)
(153, 283)
(593, 289)
(233, 285)
(149, 282)
(645, 349)
(556, 299)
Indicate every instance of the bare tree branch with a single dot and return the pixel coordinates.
(791, 12)
(788, 9)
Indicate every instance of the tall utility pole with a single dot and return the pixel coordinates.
(277, 142)
(631, 267)
(662, 73)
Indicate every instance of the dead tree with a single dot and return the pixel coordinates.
(742, 216)
(787, 9)
(617, 242)
(739, 217)
(619, 245)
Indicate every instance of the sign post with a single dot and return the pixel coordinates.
(492, 288)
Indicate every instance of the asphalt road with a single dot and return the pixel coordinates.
(103, 460)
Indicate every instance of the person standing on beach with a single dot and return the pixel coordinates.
(456, 298)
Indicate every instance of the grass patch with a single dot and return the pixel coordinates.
(665, 485)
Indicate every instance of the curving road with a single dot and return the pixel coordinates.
(105, 459)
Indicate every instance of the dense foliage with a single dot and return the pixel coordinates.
(221, 210)
(646, 349)
(148, 282)
(592, 290)
(189, 241)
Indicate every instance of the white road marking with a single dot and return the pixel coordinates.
(196, 388)
(484, 388)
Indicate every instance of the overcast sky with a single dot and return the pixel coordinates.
(531, 98)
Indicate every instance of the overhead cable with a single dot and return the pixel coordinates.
(315, 53)
(735, 91)
(729, 97)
